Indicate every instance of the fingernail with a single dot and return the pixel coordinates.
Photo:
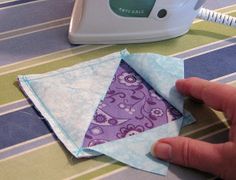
(162, 151)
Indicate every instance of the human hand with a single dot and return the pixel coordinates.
(218, 159)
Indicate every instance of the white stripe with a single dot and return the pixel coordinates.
(26, 142)
(6, 1)
(34, 26)
(213, 133)
(226, 7)
(204, 46)
(229, 12)
(211, 50)
(18, 35)
(105, 46)
(56, 59)
(232, 82)
(11, 103)
(29, 151)
(91, 170)
(223, 77)
(205, 127)
(16, 109)
(22, 4)
(43, 56)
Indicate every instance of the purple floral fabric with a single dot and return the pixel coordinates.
(130, 107)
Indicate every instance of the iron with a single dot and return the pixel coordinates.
(132, 21)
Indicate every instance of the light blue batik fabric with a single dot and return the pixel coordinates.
(135, 150)
(69, 97)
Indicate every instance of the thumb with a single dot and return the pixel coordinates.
(190, 153)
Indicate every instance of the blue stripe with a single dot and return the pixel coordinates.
(212, 65)
(229, 79)
(35, 13)
(27, 146)
(21, 126)
(216, 4)
(13, 3)
(34, 45)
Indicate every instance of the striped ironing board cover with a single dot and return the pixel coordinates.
(33, 39)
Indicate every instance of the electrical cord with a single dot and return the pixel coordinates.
(216, 17)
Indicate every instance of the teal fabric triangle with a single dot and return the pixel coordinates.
(161, 72)
(135, 150)
(68, 98)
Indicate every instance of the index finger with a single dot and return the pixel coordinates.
(218, 96)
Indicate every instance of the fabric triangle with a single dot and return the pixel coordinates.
(135, 150)
(69, 97)
(161, 73)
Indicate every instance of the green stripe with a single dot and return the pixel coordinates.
(207, 131)
(101, 171)
(228, 9)
(196, 37)
(51, 162)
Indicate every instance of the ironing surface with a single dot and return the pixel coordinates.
(34, 40)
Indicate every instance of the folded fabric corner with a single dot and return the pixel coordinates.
(135, 150)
